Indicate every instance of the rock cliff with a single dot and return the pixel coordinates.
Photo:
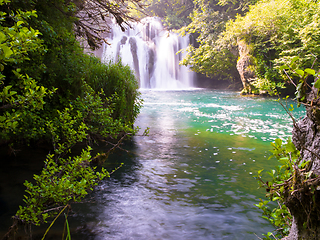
(304, 204)
(245, 66)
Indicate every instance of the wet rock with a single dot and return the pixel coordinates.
(305, 207)
(245, 67)
(306, 137)
(123, 40)
(151, 65)
(133, 48)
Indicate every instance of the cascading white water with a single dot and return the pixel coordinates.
(151, 51)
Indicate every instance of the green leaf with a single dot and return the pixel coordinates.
(290, 147)
(2, 37)
(7, 51)
(317, 84)
(300, 72)
(278, 142)
(293, 65)
(310, 71)
(294, 59)
(19, 23)
(303, 164)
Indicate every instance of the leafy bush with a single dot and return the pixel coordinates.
(51, 90)
(59, 183)
(117, 80)
(277, 31)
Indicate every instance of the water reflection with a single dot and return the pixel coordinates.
(192, 177)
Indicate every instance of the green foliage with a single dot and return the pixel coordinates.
(277, 31)
(20, 95)
(174, 14)
(117, 82)
(301, 78)
(293, 180)
(17, 40)
(278, 215)
(66, 129)
(31, 66)
(65, 180)
(20, 106)
(267, 86)
(59, 183)
(220, 64)
(213, 57)
(50, 90)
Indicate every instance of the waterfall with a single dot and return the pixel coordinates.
(151, 51)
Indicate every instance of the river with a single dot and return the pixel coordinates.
(192, 177)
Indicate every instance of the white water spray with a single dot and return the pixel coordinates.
(151, 51)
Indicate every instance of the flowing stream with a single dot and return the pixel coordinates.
(192, 177)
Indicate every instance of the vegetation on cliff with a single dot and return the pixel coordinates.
(51, 91)
(272, 33)
(209, 56)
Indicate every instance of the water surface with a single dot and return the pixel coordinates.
(192, 177)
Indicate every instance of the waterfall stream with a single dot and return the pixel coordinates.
(152, 52)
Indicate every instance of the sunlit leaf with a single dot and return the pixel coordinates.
(290, 147)
(310, 71)
(278, 142)
(7, 51)
(300, 72)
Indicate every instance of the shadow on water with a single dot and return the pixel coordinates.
(19, 167)
(13, 173)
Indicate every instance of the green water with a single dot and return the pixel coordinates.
(192, 177)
